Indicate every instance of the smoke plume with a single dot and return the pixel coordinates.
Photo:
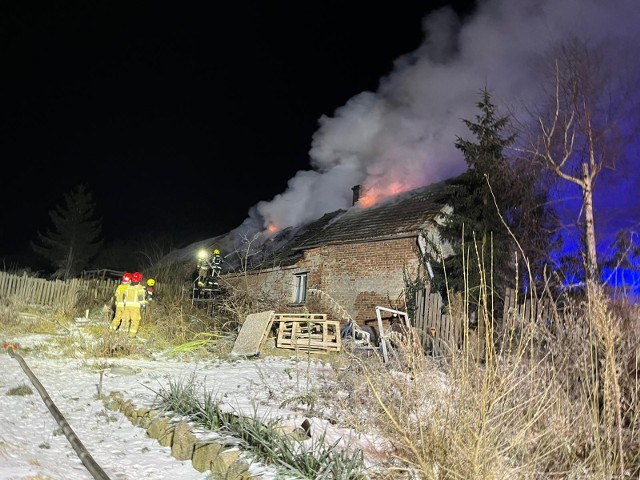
(402, 136)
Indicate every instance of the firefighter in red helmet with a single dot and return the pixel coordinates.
(135, 299)
(119, 297)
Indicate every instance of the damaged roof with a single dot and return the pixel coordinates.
(403, 215)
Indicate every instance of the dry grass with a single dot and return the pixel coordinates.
(554, 399)
(26, 320)
(168, 326)
(20, 390)
(116, 345)
(534, 404)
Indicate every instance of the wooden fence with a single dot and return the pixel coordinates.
(102, 274)
(53, 293)
(442, 333)
(518, 309)
(59, 293)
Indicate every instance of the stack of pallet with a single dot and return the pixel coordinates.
(310, 332)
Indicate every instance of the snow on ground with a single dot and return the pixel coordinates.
(32, 446)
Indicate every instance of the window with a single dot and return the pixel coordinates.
(300, 289)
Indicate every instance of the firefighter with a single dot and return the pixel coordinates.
(216, 265)
(209, 269)
(203, 268)
(151, 283)
(119, 297)
(148, 296)
(135, 300)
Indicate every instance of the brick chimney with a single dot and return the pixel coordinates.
(356, 194)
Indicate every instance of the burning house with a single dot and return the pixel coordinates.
(348, 261)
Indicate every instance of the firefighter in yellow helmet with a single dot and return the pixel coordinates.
(119, 301)
(209, 268)
(216, 265)
(151, 285)
(149, 288)
(135, 299)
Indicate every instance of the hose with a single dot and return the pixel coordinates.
(83, 454)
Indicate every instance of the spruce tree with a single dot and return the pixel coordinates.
(75, 238)
(481, 243)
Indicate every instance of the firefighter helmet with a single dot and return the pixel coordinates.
(136, 277)
(126, 277)
(216, 252)
(151, 282)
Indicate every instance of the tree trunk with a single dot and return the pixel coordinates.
(69, 262)
(589, 226)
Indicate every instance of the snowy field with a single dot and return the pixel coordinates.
(33, 447)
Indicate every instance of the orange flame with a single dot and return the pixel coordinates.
(376, 194)
(272, 228)
(367, 200)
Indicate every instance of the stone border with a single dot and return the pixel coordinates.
(223, 461)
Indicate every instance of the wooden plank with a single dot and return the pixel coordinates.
(436, 329)
(309, 345)
(422, 310)
(440, 319)
(316, 317)
(253, 333)
(445, 335)
(48, 299)
(509, 303)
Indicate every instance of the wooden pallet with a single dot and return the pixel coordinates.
(309, 332)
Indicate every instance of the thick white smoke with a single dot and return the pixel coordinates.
(402, 136)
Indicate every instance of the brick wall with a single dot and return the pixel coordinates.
(357, 277)
(360, 276)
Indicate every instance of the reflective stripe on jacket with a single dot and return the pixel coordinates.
(120, 294)
(135, 295)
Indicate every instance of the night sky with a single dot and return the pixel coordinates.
(189, 120)
(179, 117)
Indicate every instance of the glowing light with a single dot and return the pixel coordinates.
(367, 201)
(272, 228)
(378, 193)
(202, 254)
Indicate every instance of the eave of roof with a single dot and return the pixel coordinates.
(380, 238)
